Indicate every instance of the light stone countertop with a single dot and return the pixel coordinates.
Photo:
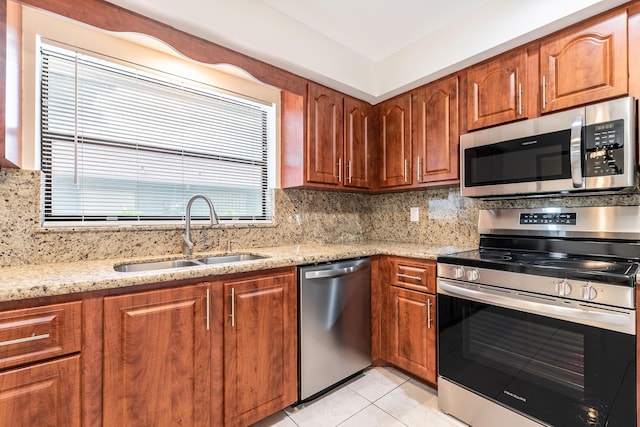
(41, 280)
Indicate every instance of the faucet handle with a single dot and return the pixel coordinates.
(187, 244)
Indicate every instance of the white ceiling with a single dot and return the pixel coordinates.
(371, 49)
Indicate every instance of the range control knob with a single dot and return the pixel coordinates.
(589, 292)
(458, 273)
(563, 288)
(473, 274)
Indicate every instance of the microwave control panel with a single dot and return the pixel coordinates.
(604, 149)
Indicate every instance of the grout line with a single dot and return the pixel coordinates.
(391, 415)
(291, 418)
(344, 421)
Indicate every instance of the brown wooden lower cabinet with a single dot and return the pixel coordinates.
(412, 332)
(44, 394)
(408, 315)
(157, 358)
(260, 347)
(164, 351)
(40, 377)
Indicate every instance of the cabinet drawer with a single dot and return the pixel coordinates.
(413, 274)
(39, 333)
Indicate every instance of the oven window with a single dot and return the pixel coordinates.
(540, 158)
(550, 356)
(559, 372)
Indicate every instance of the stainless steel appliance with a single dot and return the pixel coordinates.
(335, 323)
(537, 326)
(588, 149)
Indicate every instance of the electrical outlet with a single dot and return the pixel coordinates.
(415, 214)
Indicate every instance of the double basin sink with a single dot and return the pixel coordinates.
(189, 262)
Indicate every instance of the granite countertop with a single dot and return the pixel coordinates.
(41, 280)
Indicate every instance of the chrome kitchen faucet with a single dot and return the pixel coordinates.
(186, 237)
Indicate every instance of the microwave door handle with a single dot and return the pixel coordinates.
(575, 153)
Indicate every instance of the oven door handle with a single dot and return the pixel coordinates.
(617, 320)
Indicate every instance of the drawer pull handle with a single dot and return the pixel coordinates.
(407, 276)
(25, 339)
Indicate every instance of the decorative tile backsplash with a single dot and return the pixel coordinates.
(301, 216)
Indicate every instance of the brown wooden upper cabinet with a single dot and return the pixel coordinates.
(324, 135)
(496, 90)
(358, 122)
(333, 148)
(395, 142)
(585, 63)
(436, 132)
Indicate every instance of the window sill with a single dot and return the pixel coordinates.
(88, 227)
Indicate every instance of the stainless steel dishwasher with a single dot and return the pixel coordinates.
(335, 323)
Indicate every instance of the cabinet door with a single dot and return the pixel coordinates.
(260, 347)
(412, 332)
(357, 143)
(436, 132)
(325, 131)
(495, 90)
(43, 395)
(585, 64)
(395, 141)
(157, 358)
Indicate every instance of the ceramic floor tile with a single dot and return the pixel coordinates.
(329, 410)
(440, 419)
(412, 403)
(372, 416)
(376, 382)
(279, 419)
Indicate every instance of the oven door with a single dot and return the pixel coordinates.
(560, 372)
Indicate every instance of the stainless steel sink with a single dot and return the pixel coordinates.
(180, 263)
(158, 265)
(220, 259)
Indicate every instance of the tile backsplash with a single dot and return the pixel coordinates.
(301, 216)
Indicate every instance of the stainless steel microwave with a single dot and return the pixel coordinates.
(592, 148)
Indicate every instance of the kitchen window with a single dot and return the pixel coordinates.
(123, 143)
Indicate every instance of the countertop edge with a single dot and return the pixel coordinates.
(45, 280)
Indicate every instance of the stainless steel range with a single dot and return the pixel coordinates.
(537, 326)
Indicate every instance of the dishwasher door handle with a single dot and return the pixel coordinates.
(337, 272)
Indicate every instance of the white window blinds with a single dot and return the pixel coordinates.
(120, 143)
